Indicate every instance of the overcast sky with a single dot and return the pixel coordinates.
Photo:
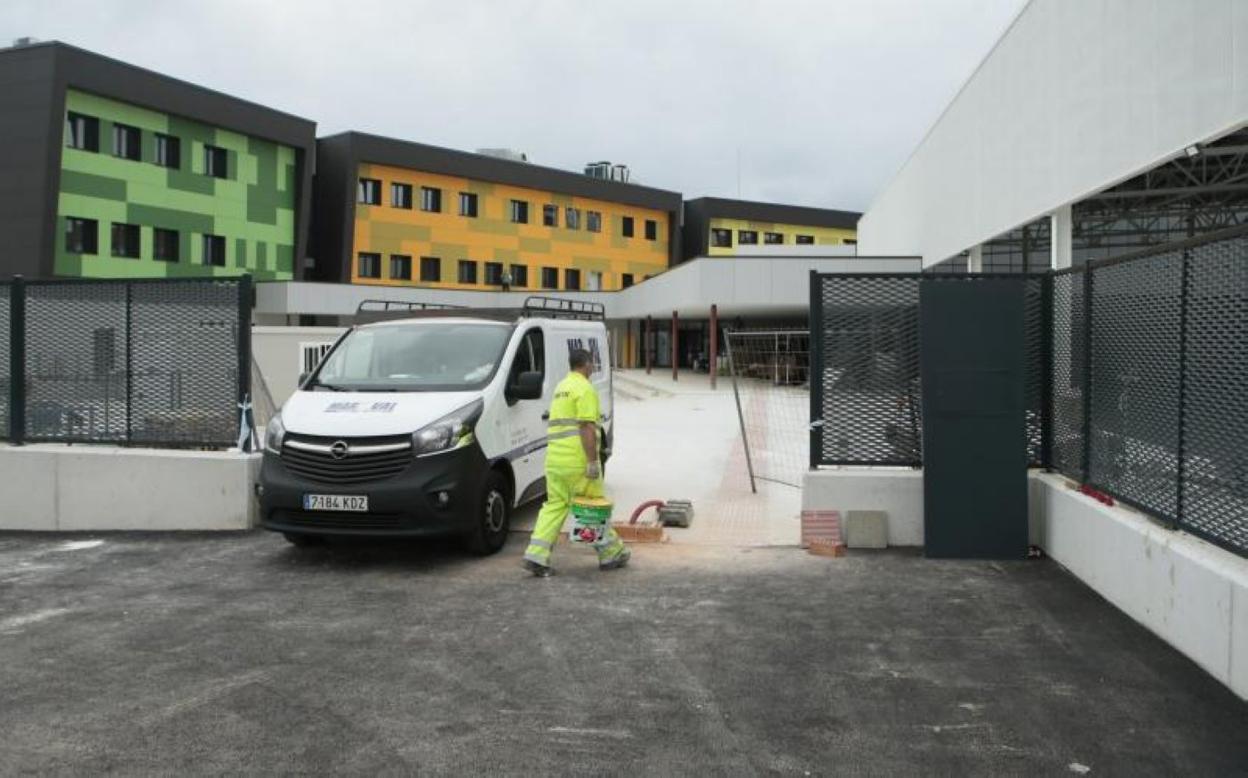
(821, 102)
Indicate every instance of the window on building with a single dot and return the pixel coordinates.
(494, 273)
(430, 269)
(82, 236)
(368, 192)
(401, 196)
(572, 219)
(626, 226)
(400, 267)
(721, 239)
(467, 271)
(550, 278)
(773, 238)
(165, 245)
(126, 240)
(572, 279)
(747, 238)
(168, 151)
(214, 250)
(850, 241)
(593, 281)
(368, 265)
(593, 221)
(804, 240)
(628, 280)
(652, 229)
(127, 142)
(216, 162)
(82, 132)
(467, 204)
(519, 212)
(520, 275)
(550, 215)
(430, 199)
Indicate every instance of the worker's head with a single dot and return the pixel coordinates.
(580, 361)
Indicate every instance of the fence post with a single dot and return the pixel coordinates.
(17, 361)
(129, 362)
(816, 370)
(1181, 444)
(1087, 374)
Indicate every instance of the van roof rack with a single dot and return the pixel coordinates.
(535, 306)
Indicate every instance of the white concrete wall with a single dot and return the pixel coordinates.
(1190, 593)
(276, 351)
(897, 492)
(66, 488)
(1076, 96)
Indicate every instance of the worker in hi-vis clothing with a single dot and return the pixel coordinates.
(573, 468)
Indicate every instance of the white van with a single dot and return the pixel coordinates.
(427, 422)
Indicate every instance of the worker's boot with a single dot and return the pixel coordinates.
(617, 561)
(538, 569)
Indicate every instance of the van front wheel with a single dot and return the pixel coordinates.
(492, 521)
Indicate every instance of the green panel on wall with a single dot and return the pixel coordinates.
(92, 185)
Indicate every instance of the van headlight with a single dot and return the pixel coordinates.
(274, 432)
(452, 431)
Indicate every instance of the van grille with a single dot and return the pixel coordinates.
(343, 461)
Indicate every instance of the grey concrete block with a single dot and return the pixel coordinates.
(866, 529)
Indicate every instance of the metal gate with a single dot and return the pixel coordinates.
(771, 384)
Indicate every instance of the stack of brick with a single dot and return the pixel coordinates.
(821, 533)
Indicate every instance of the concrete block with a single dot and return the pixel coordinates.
(826, 547)
(1239, 638)
(866, 529)
(27, 489)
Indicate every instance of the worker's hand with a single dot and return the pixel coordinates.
(593, 470)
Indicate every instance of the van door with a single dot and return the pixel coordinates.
(522, 419)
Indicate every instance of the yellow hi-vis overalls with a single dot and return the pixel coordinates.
(575, 402)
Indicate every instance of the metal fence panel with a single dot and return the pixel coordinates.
(1134, 382)
(1035, 359)
(771, 384)
(5, 313)
(1215, 413)
(1066, 375)
(867, 390)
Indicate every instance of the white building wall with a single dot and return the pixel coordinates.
(1078, 95)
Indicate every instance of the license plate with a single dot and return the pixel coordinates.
(335, 502)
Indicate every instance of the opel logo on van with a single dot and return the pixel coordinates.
(339, 449)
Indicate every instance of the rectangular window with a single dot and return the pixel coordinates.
(747, 237)
(572, 279)
(520, 275)
(165, 245)
(126, 240)
(593, 221)
(467, 271)
(127, 142)
(593, 281)
(369, 265)
(494, 273)
(430, 199)
(400, 267)
(468, 204)
(550, 278)
(82, 236)
(216, 162)
(850, 241)
(805, 240)
(214, 250)
(628, 280)
(168, 151)
(652, 229)
(721, 239)
(430, 269)
(550, 215)
(368, 192)
(572, 219)
(773, 238)
(626, 226)
(82, 132)
(401, 196)
(519, 212)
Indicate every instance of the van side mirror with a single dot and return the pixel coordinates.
(527, 386)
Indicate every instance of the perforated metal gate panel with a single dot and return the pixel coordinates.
(1067, 374)
(4, 360)
(868, 398)
(1215, 464)
(1035, 335)
(1136, 309)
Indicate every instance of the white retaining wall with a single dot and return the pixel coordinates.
(52, 487)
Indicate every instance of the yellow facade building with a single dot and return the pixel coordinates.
(721, 227)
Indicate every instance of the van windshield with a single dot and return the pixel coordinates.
(416, 357)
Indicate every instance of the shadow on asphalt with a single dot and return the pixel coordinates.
(370, 554)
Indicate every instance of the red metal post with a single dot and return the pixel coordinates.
(645, 344)
(714, 343)
(675, 340)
